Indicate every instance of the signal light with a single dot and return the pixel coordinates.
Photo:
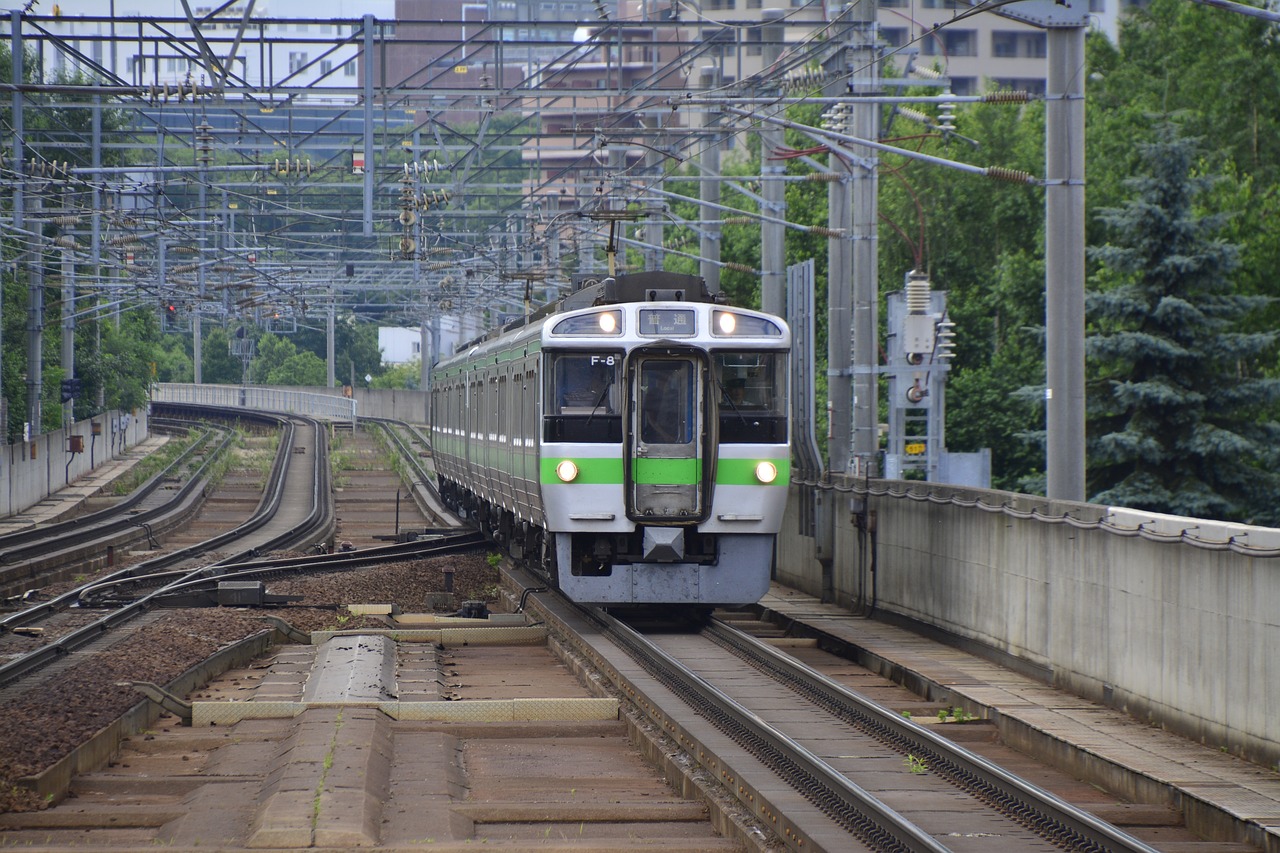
(70, 389)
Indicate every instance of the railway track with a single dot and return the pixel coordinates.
(801, 761)
(166, 500)
(397, 784)
(296, 509)
(823, 767)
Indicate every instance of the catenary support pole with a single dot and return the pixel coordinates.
(1064, 263)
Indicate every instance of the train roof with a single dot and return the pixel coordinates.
(662, 290)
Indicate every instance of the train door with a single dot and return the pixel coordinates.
(666, 476)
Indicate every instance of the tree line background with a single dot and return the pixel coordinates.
(1183, 153)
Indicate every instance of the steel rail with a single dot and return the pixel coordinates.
(849, 805)
(1055, 819)
(18, 545)
(39, 658)
(188, 592)
(146, 520)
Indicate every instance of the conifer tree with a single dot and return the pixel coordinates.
(1178, 412)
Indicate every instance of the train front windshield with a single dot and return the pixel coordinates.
(751, 388)
(584, 397)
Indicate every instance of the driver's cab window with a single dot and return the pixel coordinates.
(751, 395)
(750, 380)
(585, 384)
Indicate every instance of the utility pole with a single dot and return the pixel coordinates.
(367, 63)
(653, 226)
(328, 342)
(709, 188)
(95, 236)
(68, 309)
(35, 324)
(1064, 263)
(773, 254)
(204, 152)
(19, 184)
(864, 194)
(1064, 246)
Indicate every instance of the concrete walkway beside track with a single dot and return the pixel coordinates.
(1220, 796)
(70, 499)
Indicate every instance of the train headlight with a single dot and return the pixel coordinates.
(590, 325)
(736, 324)
(766, 472)
(567, 471)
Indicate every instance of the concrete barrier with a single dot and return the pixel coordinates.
(1171, 619)
(31, 471)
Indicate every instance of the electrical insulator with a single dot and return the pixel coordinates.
(436, 198)
(914, 115)
(947, 116)
(204, 139)
(918, 323)
(946, 340)
(917, 288)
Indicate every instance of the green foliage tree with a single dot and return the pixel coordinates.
(123, 366)
(173, 360)
(405, 375)
(355, 349)
(301, 368)
(1178, 417)
(218, 365)
(272, 353)
(111, 360)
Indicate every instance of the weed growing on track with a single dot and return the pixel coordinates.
(152, 463)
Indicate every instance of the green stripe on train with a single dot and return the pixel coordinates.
(730, 472)
(591, 472)
(742, 472)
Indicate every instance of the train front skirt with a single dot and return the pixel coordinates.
(740, 575)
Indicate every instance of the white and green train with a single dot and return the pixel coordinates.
(631, 443)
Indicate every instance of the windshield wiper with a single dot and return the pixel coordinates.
(724, 395)
(604, 392)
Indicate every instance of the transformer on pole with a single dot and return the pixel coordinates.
(919, 350)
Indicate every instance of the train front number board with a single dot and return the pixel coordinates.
(667, 323)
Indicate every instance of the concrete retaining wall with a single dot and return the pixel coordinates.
(30, 471)
(394, 403)
(397, 404)
(1174, 620)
